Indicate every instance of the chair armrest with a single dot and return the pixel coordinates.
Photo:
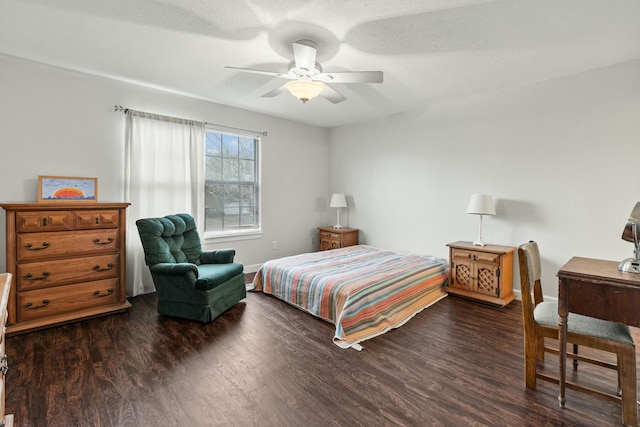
(223, 256)
(175, 269)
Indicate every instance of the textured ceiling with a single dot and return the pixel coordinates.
(429, 50)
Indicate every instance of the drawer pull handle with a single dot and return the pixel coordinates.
(30, 247)
(100, 295)
(98, 242)
(29, 276)
(4, 364)
(30, 306)
(97, 267)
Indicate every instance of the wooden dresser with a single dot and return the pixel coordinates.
(483, 273)
(5, 287)
(67, 260)
(335, 238)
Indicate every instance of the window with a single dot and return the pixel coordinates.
(232, 187)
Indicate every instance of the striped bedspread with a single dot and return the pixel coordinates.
(362, 290)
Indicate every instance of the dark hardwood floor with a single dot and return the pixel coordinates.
(265, 363)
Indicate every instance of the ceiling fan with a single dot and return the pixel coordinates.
(307, 78)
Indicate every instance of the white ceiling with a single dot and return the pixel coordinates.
(429, 50)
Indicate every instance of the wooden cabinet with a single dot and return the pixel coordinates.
(67, 260)
(335, 238)
(483, 273)
(5, 288)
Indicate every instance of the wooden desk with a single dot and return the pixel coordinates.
(596, 288)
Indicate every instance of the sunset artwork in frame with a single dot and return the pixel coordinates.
(67, 189)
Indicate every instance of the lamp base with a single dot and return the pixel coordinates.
(630, 265)
(479, 242)
(338, 226)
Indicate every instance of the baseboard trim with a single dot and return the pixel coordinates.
(252, 268)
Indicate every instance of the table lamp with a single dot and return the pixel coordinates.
(338, 201)
(631, 233)
(481, 204)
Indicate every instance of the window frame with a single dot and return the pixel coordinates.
(254, 232)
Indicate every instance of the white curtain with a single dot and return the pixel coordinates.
(164, 174)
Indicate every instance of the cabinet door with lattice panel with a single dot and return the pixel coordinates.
(462, 270)
(327, 244)
(486, 278)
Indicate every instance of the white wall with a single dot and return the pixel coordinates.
(561, 157)
(59, 122)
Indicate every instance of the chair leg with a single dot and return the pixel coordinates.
(575, 361)
(627, 372)
(531, 349)
(539, 350)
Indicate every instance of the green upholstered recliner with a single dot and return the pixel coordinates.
(190, 283)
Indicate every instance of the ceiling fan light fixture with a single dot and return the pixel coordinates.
(305, 90)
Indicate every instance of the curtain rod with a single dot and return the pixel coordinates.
(120, 108)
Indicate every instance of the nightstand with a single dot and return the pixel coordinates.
(483, 273)
(335, 238)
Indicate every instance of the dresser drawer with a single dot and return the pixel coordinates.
(96, 219)
(37, 246)
(65, 299)
(43, 221)
(43, 274)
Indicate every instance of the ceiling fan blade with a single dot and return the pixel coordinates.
(266, 73)
(350, 77)
(332, 95)
(277, 91)
(304, 53)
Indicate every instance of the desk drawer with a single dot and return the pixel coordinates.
(65, 299)
(44, 274)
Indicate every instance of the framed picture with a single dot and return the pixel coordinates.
(67, 189)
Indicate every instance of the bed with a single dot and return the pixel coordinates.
(364, 291)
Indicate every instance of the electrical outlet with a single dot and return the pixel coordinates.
(274, 244)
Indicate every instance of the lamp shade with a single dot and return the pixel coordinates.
(481, 204)
(338, 201)
(631, 233)
(635, 214)
(305, 90)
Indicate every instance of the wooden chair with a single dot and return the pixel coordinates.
(541, 321)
